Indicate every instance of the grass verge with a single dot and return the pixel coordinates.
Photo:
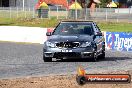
(31, 22)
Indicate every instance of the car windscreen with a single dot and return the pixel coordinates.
(73, 28)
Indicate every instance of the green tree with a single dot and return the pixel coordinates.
(104, 3)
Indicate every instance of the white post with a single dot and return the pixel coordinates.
(33, 12)
(25, 13)
(117, 15)
(86, 14)
(57, 12)
(10, 12)
(49, 13)
(29, 5)
(23, 3)
(29, 9)
(75, 9)
(106, 14)
(17, 12)
(66, 14)
(129, 19)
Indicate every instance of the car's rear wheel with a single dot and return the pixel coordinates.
(47, 59)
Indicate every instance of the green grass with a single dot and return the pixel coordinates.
(115, 27)
(104, 26)
(30, 22)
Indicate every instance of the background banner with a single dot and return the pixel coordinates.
(119, 41)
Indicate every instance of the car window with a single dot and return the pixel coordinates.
(73, 28)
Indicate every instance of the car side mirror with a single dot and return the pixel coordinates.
(48, 33)
(98, 34)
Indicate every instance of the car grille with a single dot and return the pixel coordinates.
(68, 44)
(71, 54)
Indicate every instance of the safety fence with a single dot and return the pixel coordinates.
(100, 14)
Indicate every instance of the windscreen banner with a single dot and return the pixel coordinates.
(118, 41)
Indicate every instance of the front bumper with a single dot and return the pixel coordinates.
(69, 52)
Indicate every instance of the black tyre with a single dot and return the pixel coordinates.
(47, 59)
(102, 56)
(94, 56)
(80, 80)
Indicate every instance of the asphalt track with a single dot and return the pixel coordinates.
(25, 60)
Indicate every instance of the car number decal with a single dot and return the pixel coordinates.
(66, 50)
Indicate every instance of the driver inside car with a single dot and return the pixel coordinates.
(68, 29)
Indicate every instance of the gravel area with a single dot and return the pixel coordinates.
(56, 82)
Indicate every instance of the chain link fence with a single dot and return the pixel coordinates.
(100, 14)
(17, 13)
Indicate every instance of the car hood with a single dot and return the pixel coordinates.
(73, 38)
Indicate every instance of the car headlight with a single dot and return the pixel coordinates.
(50, 44)
(85, 44)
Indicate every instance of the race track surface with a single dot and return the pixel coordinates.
(20, 60)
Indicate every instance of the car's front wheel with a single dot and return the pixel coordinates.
(102, 56)
(94, 56)
(47, 59)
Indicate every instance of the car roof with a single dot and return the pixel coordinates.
(76, 21)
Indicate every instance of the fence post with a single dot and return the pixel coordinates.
(41, 13)
(49, 13)
(117, 15)
(130, 14)
(57, 12)
(86, 14)
(29, 9)
(23, 4)
(10, 12)
(33, 12)
(106, 15)
(25, 12)
(76, 14)
(129, 19)
(95, 14)
(17, 12)
(66, 13)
